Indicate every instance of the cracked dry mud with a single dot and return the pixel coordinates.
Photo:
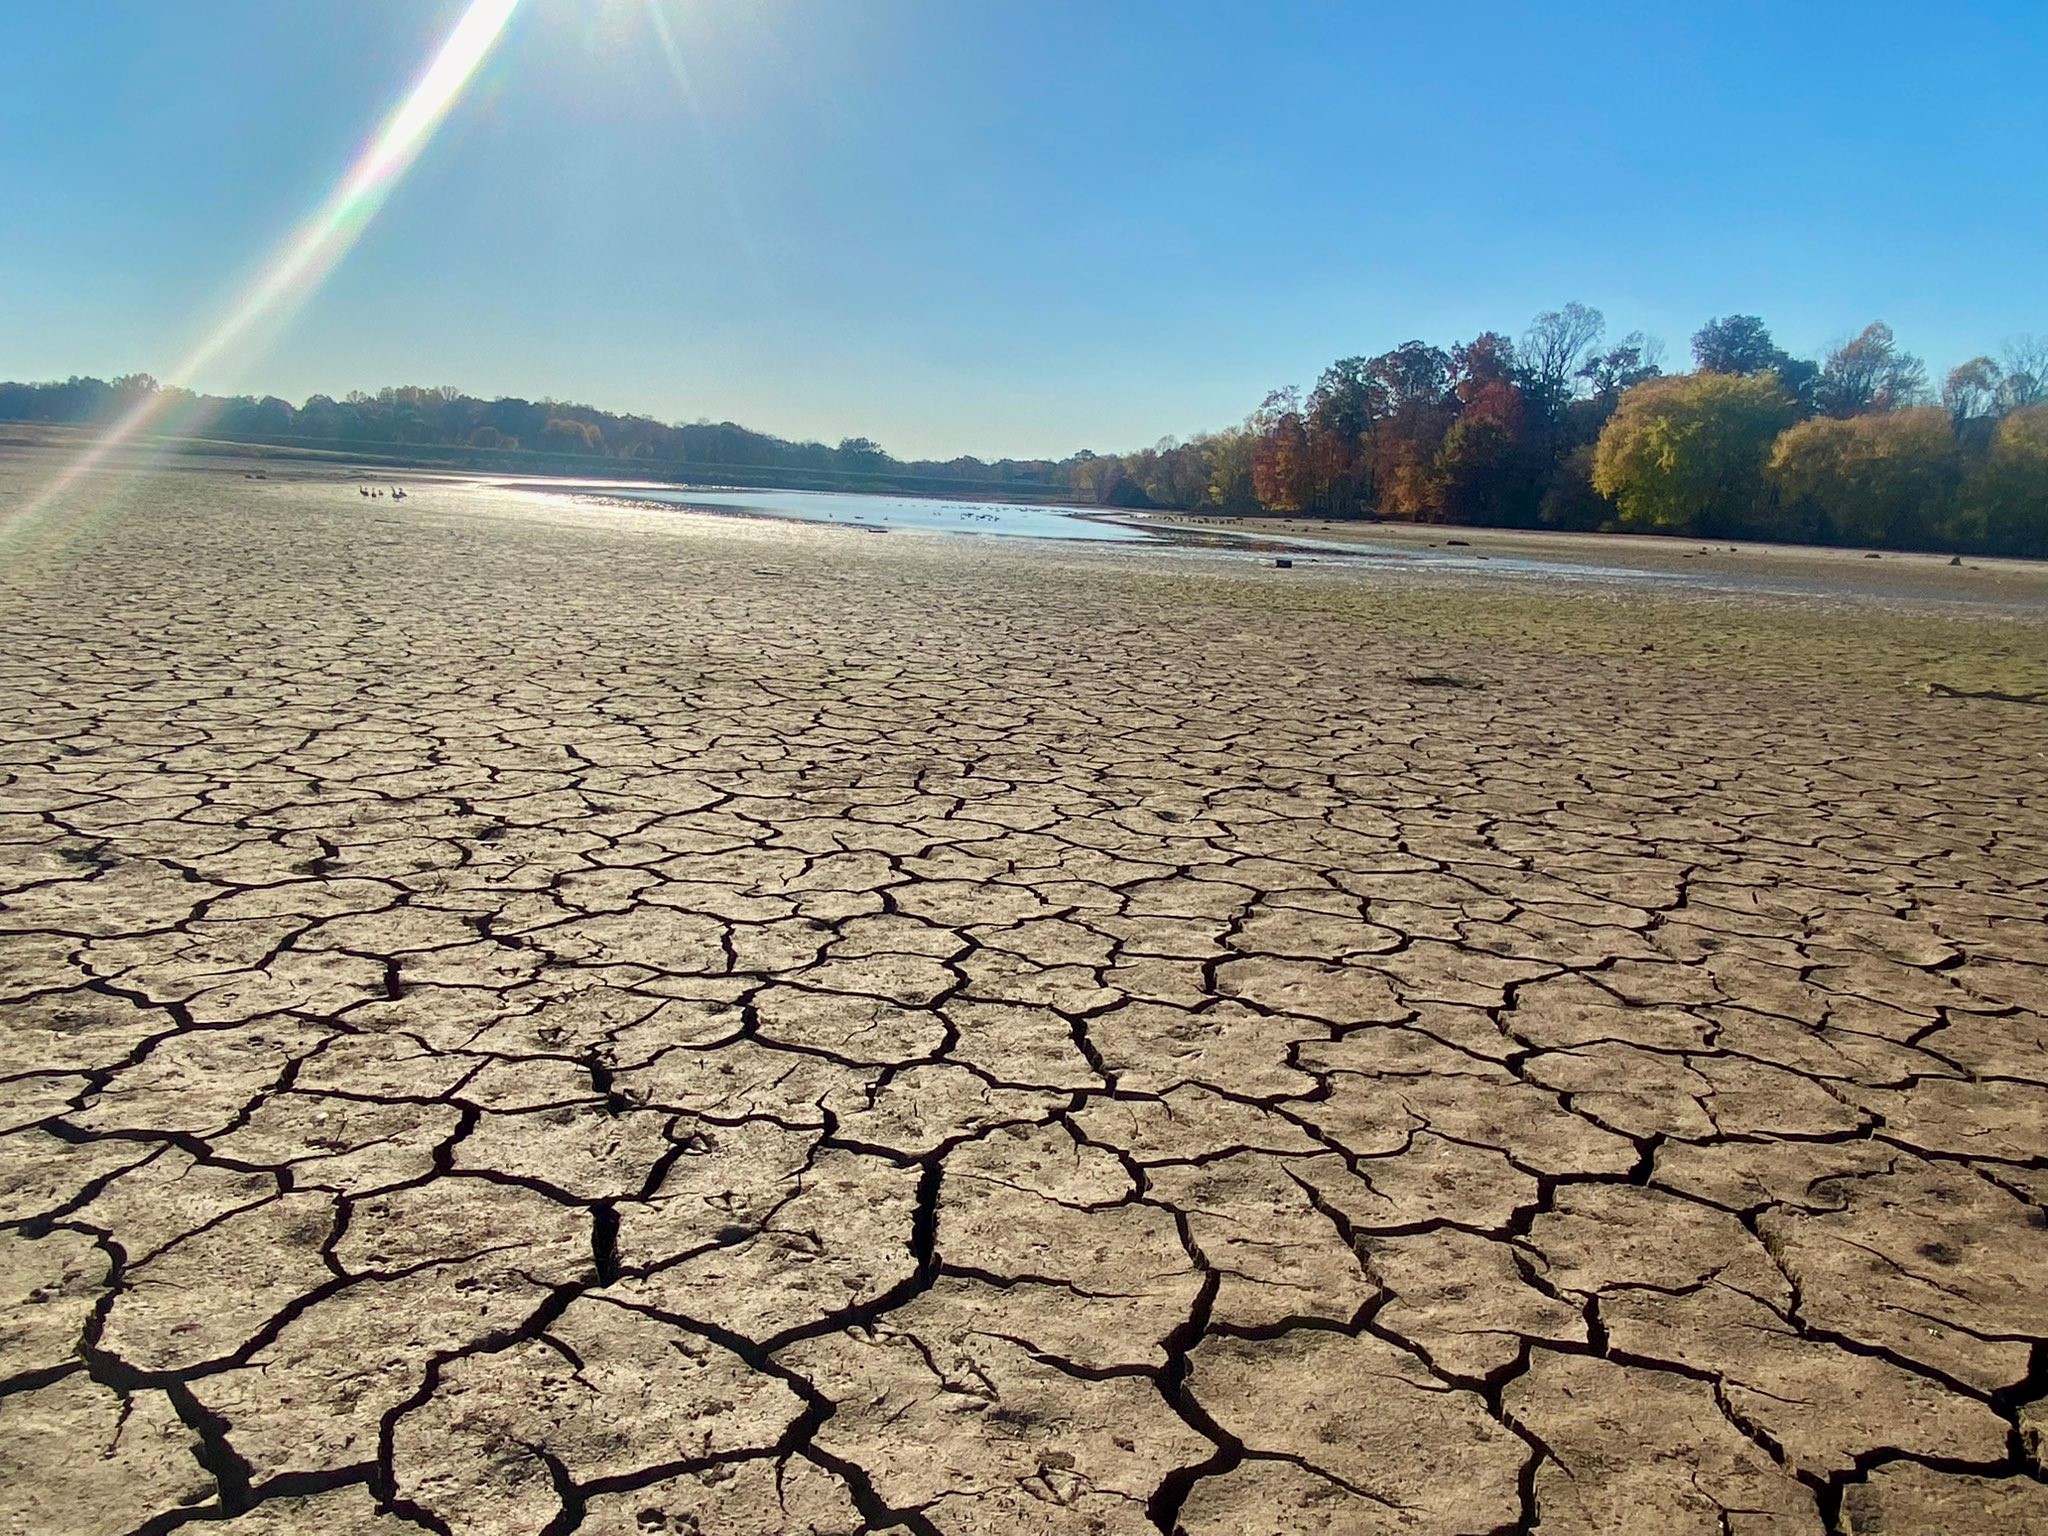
(521, 1019)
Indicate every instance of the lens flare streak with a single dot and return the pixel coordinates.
(312, 251)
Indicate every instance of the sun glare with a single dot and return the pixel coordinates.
(296, 269)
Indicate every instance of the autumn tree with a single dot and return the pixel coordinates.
(564, 434)
(1487, 432)
(1083, 473)
(1280, 469)
(2025, 380)
(1971, 389)
(1415, 377)
(1887, 478)
(1488, 470)
(1420, 407)
(1485, 376)
(1869, 373)
(1339, 417)
(1686, 454)
(1173, 473)
(2003, 506)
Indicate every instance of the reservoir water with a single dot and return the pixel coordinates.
(852, 509)
(932, 514)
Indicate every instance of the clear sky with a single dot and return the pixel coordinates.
(1020, 227)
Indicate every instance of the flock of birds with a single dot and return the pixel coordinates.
(397, 492)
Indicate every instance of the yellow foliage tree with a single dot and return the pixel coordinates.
(2004, 504)
(1686, 454)
(1888, 479)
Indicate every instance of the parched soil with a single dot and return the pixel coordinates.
(518, 1018)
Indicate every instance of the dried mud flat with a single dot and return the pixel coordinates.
(524, 1018)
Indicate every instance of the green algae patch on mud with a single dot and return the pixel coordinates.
(1803, 640)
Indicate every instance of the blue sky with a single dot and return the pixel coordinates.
(1026, 227)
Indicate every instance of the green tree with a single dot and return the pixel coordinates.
(1742, 344)
(1739, 344)
(1686, 454)
(1571, 501)
(1883, 479)
(863, 455)
(131, 389)
(1229, 454)
(1481, 475)
(1094, 476)
(1180, 475)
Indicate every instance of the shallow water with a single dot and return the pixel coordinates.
(856, 509)
(1253, 544)
(929, 513)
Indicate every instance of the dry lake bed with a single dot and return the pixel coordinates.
(520, 1016)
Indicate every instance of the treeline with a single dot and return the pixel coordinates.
(1562, 429)
(509, 432)
(1559, 428)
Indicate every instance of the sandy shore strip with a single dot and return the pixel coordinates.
(526, 1017)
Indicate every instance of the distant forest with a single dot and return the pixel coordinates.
(1557, 429)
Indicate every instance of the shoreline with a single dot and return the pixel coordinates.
(1797, 572)
(1314, 535)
